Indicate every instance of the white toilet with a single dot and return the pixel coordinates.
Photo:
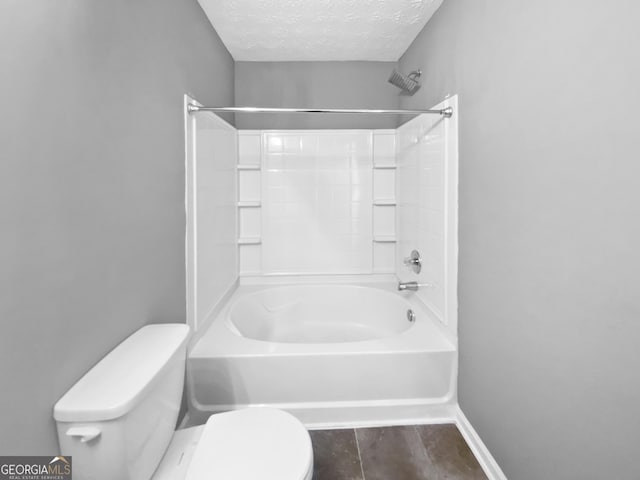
(117, 423)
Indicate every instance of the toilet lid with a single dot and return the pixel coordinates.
(250, 444)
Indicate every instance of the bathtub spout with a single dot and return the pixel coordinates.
(412, 286)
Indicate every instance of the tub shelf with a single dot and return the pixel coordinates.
(384, 202)
(384, 238)
(384, 166)
(248, 167)
(249, 204)
(249, 241)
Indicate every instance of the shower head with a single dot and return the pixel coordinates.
(409, 84)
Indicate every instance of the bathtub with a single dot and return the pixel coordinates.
(333, 355)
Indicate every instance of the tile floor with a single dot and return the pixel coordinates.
(420, 452)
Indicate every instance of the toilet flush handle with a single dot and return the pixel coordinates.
(86, 434)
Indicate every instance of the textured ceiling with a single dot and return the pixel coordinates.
(288, 30)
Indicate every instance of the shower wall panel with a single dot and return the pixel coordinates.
(314, 202)
(317, 202)
(211, 214)
(426, 185)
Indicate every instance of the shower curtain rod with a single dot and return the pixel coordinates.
(445, 112)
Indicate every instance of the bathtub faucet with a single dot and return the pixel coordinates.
(412, 286)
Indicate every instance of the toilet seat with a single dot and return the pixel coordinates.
(254, 443)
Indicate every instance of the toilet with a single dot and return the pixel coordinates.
(117, 423)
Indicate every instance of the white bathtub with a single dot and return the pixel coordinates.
(330, 354)
(319, 314)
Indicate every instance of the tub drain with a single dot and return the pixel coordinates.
(411, 316)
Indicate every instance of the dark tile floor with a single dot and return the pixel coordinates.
(420, 452)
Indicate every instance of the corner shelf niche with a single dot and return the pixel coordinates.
(248, 167)
(249, 204)
(249, 241)
(384, 166)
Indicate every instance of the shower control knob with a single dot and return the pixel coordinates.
(414, 262)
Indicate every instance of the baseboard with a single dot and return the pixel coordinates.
(479, 449)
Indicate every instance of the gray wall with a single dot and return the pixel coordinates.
(91, 187)
(549, 227)
(317, 85)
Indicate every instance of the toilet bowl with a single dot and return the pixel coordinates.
(117, 422)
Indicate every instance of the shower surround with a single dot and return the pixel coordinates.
(310, 321)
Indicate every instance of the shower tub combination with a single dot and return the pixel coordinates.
(333, 355)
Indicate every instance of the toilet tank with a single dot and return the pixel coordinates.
(118, 419)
